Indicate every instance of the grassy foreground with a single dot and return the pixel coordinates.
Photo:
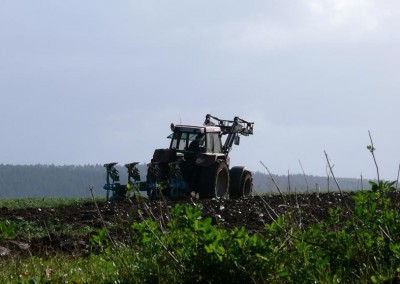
(360, 245)
(43, 202)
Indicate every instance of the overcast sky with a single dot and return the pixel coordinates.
(88, 82)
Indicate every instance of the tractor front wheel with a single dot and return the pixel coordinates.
(241, 182)
(246, 184)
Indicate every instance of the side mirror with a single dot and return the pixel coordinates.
(237, 140)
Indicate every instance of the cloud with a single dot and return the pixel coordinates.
(316, 23)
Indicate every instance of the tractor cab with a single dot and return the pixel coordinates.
(189, 139)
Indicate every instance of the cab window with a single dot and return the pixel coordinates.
(179, 140)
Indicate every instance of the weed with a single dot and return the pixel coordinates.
(7, 230)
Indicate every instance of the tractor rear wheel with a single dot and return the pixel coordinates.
(214, 181)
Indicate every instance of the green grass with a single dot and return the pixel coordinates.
(44, 202)
(50, 225)
(34, 229)
(57, 269)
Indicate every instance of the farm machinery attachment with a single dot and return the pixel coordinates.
(113, 184)
(196, 162)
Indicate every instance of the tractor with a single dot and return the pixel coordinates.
(196, 162)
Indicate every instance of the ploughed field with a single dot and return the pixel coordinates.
(68, 229)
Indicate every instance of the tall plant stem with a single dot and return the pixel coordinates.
(337, 184)
(305, 177)
(106, 230)
(273, 180)
(372, 150)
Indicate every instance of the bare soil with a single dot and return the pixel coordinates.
(252, 213)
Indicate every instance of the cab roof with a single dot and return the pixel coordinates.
(196, 129)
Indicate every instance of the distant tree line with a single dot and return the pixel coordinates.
(49, 180)
(74, 181)
(304, 183)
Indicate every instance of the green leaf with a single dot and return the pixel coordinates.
(374, 279)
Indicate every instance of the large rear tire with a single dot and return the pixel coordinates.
(214, 181)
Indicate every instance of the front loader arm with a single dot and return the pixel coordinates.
(232, 128)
